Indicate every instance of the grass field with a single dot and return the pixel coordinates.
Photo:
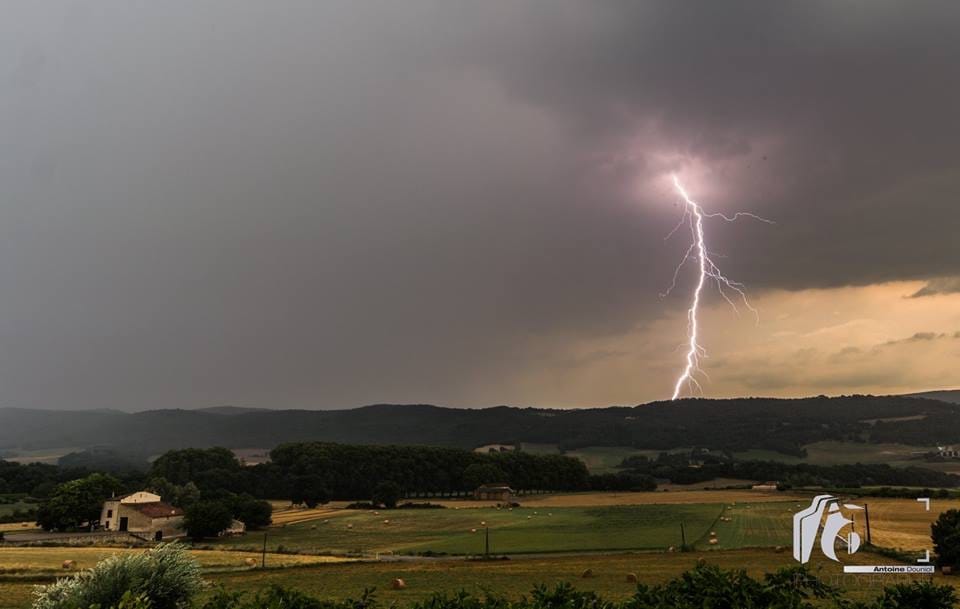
(512, 578)
(693, 493)
(45, 455)
(521, 530)
(844, 453)
(752, 525)
(9, 508)
(561, 524)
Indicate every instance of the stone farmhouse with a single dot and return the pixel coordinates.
(143, 513)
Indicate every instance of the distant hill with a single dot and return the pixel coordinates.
(949, 395)
(729, 424)
(229, 410)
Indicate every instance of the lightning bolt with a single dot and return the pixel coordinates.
(693, 215)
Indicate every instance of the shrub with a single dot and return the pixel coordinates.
(703, 587)
(166, 577)
(276, 597)
(206, 519)
(917, 595)
(387, 494)
(255, 513)
(945, 533)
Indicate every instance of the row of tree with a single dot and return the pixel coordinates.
(314, 472)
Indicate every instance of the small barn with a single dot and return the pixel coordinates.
(493, 492)
(236, 527)
(764, 486)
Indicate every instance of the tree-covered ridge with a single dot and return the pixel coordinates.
(728, 424)
(701, 466)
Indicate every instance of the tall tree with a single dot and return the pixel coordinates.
(77, 503)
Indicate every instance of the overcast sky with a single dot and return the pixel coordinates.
(328, 204)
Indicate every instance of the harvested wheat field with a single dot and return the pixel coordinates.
(284, 513)
(18, 527)
(37, 562)
(904, 523)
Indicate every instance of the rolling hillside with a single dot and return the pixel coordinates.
(948, 395)
(732, 424)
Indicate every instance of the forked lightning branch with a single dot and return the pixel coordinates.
(693, 216)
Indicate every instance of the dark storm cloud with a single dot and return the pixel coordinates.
(941, 285)
(326, 204)
(921, 337)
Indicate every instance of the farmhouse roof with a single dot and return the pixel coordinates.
(158, 509)
(494, 487)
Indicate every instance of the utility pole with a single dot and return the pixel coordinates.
(486, 550)
(263, 557)
(683, 538)
(866, 516)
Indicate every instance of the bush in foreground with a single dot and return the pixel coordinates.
(165, 577)
(945, 533)
(703, 587)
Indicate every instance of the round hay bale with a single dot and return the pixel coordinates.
(473, 530)
(350, 526)
(713, 533)
(671, 549)
(313, 527)
(398, 584)
(529, 517)
(632, 578)
(587, 573)
(250, 562)
(387, 521)
(714, 541)
(376, 513)
(778, 549)
(483, 523)
(69, 564)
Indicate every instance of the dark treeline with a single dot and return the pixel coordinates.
(40, 479)
(317, 472)
(689, 468)
(322, 471)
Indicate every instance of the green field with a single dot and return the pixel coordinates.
(606, 459)
(754, 525)
(9, 508)
(844, 453)
(521, 530)
(598, 459)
